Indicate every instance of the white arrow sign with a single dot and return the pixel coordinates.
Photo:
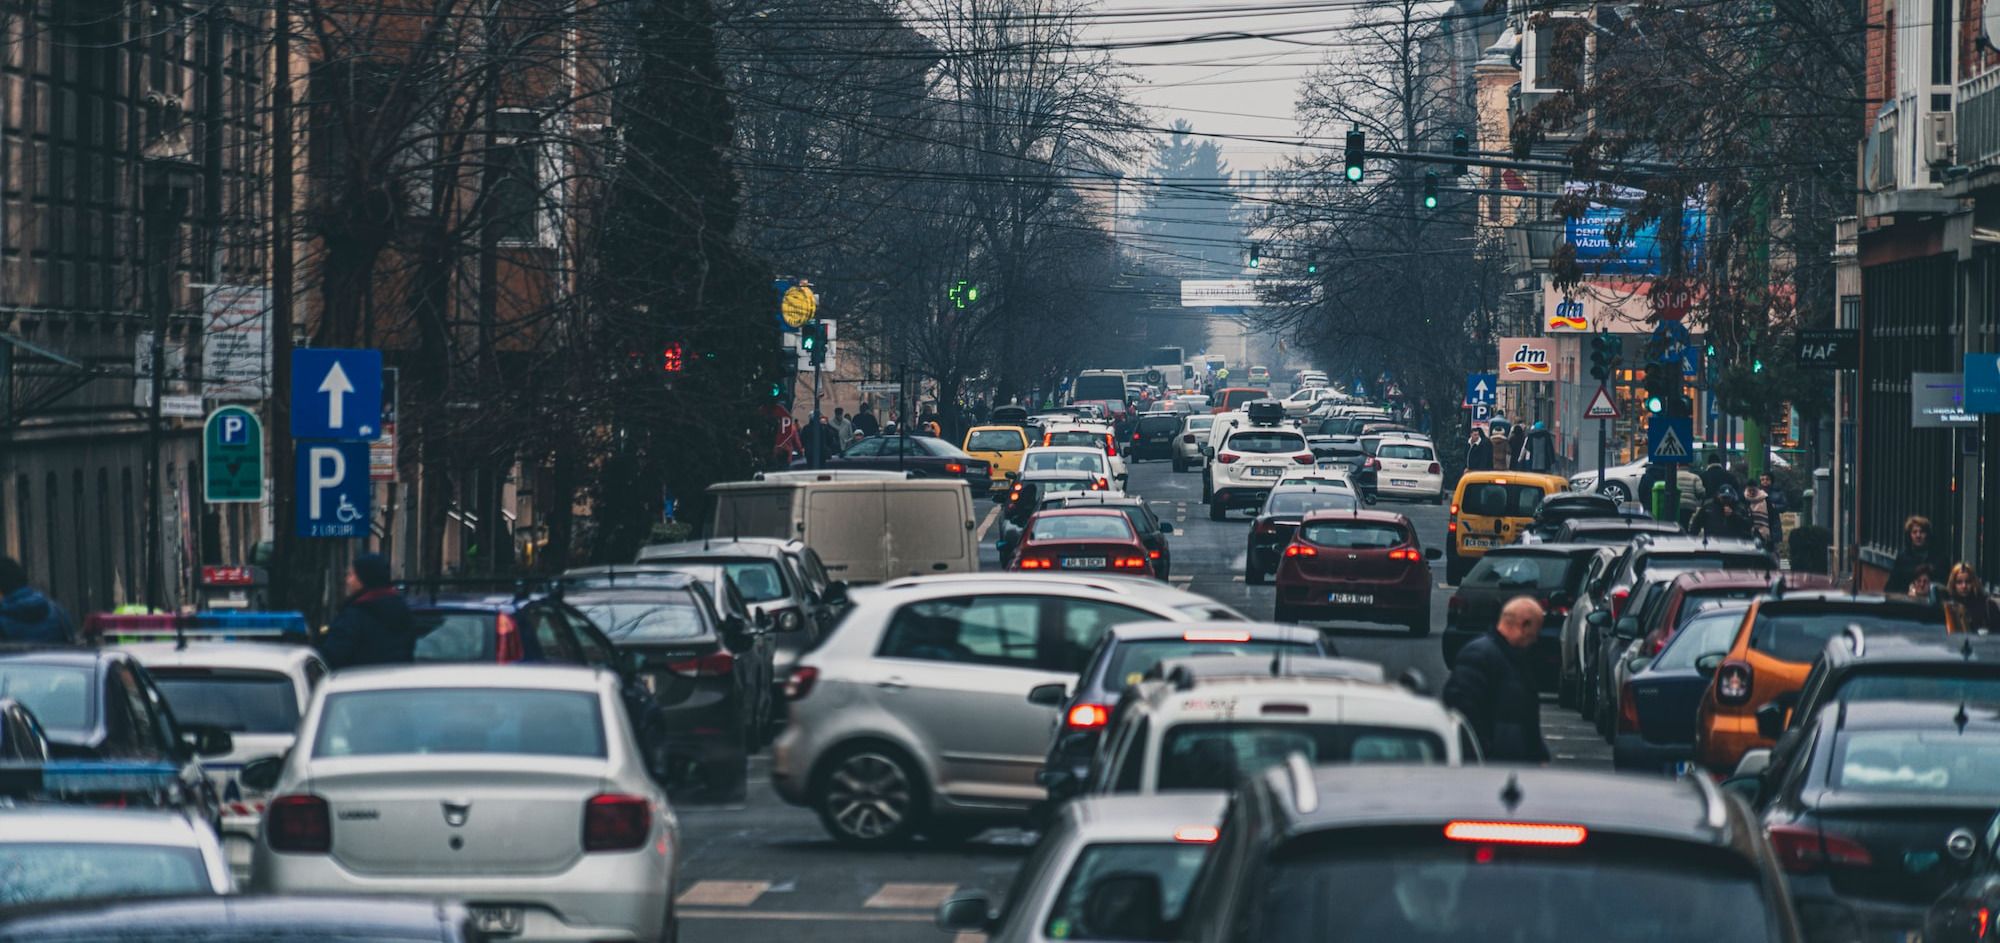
(1480, 388)
(336, 386)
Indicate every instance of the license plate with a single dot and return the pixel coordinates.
(1083, 563)
(1351, 599)
(1471, 542)
(1403, 481)
(1261, 471)
(499, 921)
(1679, 768)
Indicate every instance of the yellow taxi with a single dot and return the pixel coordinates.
(1775, 647)
(1490, 509)
(1001, 447)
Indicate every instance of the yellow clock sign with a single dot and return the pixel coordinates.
(800, 304)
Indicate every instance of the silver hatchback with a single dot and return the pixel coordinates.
(914, 715)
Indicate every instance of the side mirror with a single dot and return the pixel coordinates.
(1771, 720)
(966, 913)
(1166, 527)
(1627, 628)
(1707, 664)
(206, 740)
(737, 637)
(836, 593)
(261, 774)
(1598, 618)
(1434, 553)
(1048, 695)
(762, 620)
(1754, 763)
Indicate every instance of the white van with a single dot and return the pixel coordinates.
(865, 528)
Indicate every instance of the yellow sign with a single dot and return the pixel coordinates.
(800, 305)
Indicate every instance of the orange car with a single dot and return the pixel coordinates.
(1774, 650)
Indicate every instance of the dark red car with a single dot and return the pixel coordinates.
(1693, 591)
(1356, 566)
(1080, 539)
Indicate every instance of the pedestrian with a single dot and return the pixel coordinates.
(843, 428)
(1478, 451)
(1722, 517)
(374, 626)
(1920, 582)
(1517, 442)
(1977, 611)
(1757, 507)
(1493, 685)
(1716, 479)
(26, 615)
(1538, 450)
(864, 421)
(1777, 502)
(819, 441)
(1918, 550)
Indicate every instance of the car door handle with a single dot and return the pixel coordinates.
(893, 684)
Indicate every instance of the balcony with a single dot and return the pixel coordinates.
(1897, 157)
(1977, 151)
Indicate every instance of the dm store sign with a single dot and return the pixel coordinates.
(1527, 358)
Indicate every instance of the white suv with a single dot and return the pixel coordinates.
(1249, 461)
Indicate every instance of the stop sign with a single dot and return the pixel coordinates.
(1671, 299)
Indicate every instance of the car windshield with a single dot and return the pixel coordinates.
(1131, 660)
(1076, 438)
(1200, 423)
(1159, 425)
(940, 448)
(455, 636)
(1541, 571)
(1353, 535)
(1207, 756)
(41, 872)
(236, 701)
(1082, 527)
(1947, 762)
(1374, 885)
(1263, 442)
(1418, 453)
(1052, 486)
(1063, 461)
(1710, 633)
(1082, 912)
(60, 696)
(1799, 636)
(1492, 499)
(994, 440)
(1290, 502)
(510, 721)
(757, 580)
(647, 621)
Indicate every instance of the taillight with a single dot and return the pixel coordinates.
(1153, 554)
(1035, 563)
(1197, 834)
(1435, 469)
(1300, 550)
(1111, 443)
(1804, 850)
(614, 822)
(508, 643)
(1135, 437)
(1516, 833)
(1732, 682)
(1405, 554)
(1189, 438)
(715, 665)
(1454, 509)
(1128, 563)
(1370, 464)
(1618, 597)
(1087, 717)
(954, 468)
(1305, 458)
(1227, 458)
(1628, 709)
(800, 682)
(1455, 604)
(299, 825)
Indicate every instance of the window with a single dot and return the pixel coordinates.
(1205, 756)
(555, 638)
(61, 697)
(1553, 53)
(516, 164)
(1264, 442)
(757, 580)
(1172, 864)
(1544, 572)
(866, 448)
(1305, 502)
(1917, 761)
(315, 673)
(1082, 527)
(1492, 499)
(69, 870)
(1708, 634)
(995, 440)
(1082, 625)
(647, 621)
(1354, 535)
(1799, 636)
(237, 701)
(1092, 462)
(461, 720)
(1131, 660)
(1415, 453)
(454, 636)
(1132, 761)
(973, 630)
(1075, 438)
(586, 637)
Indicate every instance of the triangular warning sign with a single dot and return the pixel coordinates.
(1670, 446)
(1602, 406)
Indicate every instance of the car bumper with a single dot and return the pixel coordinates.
(1825, 915)
(1727, 737)
(1630, 751)
(1415, 487)
(1393, 602)
(1241, 496)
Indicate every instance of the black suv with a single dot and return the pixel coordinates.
(1858, 666)
(1421, 854)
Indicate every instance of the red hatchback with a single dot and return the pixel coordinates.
(1358, 566)
(1082, 539)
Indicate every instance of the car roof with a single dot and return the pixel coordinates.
(1086, 449)
(90, 825)
(1140, 586)
(1080, 512)
(1561, 498)
(527, 677)
(1129, 818)
(697, 549)
(1691, 543)
(1555, 482)
(1549, 550)
(650, 575)
(1104, 498)
(1252, 631)
(1904, 649)
(1634, 524)
(1059, 474)
(1356, 514)
(1748, 579)
(1206, 671)
(994, 426)
(1913, 715)
(35, 653)
(1836, 598)
(269, 655)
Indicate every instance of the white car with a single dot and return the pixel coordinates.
(519, 789)
(1407, 467)
(1050, 458)
(1187, 445)
(1303, 400)
(1249, 461)
(1094, 436)
(256, 691)
(51, 853)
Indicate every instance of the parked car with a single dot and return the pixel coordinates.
(1656, 703)
(1356, 565)
(1488, 509)
(1406, 468)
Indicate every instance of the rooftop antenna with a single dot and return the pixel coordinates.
(1510, 794)
(1961, 718)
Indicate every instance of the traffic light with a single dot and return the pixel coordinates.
(1256, 254)
(1661, 386)
(1357, 146)
(1461, 145)
(1312, 266)
(812, 340)
(1430, 190)
(1603, 356)
(673, 358)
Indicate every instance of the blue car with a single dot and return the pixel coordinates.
(1657, 704)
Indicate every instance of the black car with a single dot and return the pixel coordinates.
(1278, 519)
(1610, 531)
(1152, 436)
(1152, 531)
(711, 675)
(1881, 812)
(921, 455)
(1345, 452)
(1430, 854)
(1551, 573)
(1966, 912)
(1558, 509)
(770, 579)
(1861, 666)
(1657, 702)
(241, 920)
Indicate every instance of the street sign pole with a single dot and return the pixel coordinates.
(1603, 429)
(818, 450)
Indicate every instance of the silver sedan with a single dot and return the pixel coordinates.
(519, 790)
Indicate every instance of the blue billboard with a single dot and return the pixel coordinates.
(1639, 252)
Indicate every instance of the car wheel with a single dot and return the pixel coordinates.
(670, 929)
(1586, 696)
(1601, 718)
(1454, 569)
(1217, 509)
(869, 796)
(1253, 574)
(1616, 491)
(1207, 489)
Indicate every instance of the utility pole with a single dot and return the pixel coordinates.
(278, 432)
(164, 203)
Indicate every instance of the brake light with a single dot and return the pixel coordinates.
(714, 665)
(1303, 458)
(1804, 850)
(1135, 437)
(1451, 527)
(299, 825)
(1087, 717)
(1516, 833)
(1370, 464)
(1100, 484)
(1300, 550)
(1036, 563)
(1111, 443)
(1200, 635)
(1128, 563)
(1435, 469)
(800, 682)
(1197, 834)
(1618, 597)
(613, 822)
(1189, 438)
(1628, 709)
(1732, 683)
(1405, 554)
(1227, 458)
(508, 641)
(954, 468)
(1454, 509)
(1153, 554)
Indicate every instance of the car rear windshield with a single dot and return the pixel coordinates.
(1415, 453)
(1354, 535)
(1200, 423)
(40, 872)
(1088, 440)
(1546, 572)
(1944, 684)
(1075, 915)
(1082, 527)
(1492, 499)
(455, 636)
(1945, 763)
(1710, 633)
(640, 622)
(1306, 502)
(1104, 387)
(236, 701)
(1157, 425)
(757, 580)
(1205, 756)
(995, 440)
(60, 696)
(1689, 562)
(1064, 461)
(1131, 660)
(512, 721)
(1234, 399)
(1263, 442)
(1369, 885)
(1798, 636)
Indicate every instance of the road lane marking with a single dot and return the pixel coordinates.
(910, 896)
(980, 535)
(874, 917)
(723, 893)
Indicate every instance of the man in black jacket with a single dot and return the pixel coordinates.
(374, 626)
(1493, 685)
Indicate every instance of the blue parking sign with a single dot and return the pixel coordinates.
(333, 489)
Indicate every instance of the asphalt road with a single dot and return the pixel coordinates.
(767, 872)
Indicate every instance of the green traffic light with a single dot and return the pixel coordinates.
(1654, 404)
(1354, 173)
(1430, 201)
(1756, 366)
(1312, 268)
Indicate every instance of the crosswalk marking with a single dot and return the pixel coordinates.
(723, 893)
(910, 896)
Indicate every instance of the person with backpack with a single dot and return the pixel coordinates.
(26, 615)
(1717, 480)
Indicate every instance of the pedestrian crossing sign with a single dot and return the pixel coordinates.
(1670, 440)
